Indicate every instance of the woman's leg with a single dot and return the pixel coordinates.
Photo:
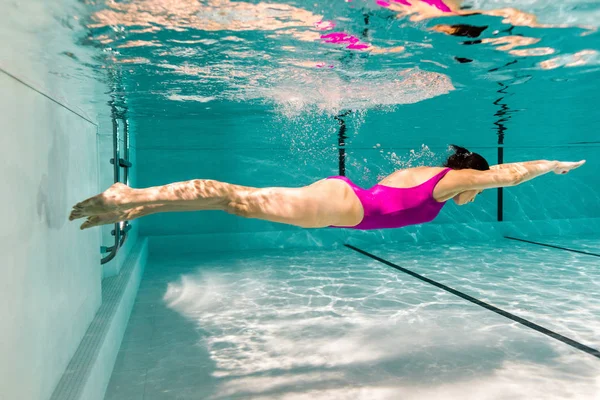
(324, 203)
(198, 193)
(131, 214)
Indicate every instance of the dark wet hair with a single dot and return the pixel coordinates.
(464, 159)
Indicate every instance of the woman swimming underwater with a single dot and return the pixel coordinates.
(406, 197)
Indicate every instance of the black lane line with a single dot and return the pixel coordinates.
(522, 321)
(553, 246)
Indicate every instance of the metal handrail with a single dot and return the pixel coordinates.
(121, 228)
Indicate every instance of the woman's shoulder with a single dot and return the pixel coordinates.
(418, 172)
(419, 169)
(408, 177)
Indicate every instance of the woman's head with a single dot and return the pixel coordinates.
(464, 159)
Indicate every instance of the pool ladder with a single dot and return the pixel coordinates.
(121, 228)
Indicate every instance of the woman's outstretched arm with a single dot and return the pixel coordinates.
(522, 163)
(543, 166)
(511, 165)
(503, 175)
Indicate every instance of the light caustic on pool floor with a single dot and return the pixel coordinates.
(338, 325)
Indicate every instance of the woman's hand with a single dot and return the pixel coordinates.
(564, 167)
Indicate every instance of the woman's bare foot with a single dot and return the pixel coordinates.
(103, 219)
(113, 199)
(111, 217)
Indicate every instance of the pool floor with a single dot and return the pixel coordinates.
(339, 325)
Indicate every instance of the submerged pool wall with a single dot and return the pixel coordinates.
(56, 140)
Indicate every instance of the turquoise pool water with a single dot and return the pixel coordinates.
(243, 92)
(286, 93)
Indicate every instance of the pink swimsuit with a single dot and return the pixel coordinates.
(388, 207)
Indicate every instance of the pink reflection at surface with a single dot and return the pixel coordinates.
(352, 42)
(323, 65)
(325, 25)
(439, 4)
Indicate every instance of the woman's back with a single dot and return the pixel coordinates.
(410, 177)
